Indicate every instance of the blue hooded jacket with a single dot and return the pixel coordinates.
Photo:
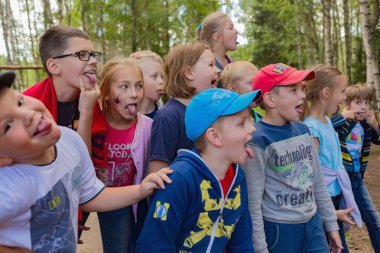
(191, 214)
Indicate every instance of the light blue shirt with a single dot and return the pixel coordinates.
(329, 152)
(354, 145)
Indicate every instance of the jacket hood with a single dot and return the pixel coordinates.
(193, 157)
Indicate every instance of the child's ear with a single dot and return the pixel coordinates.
(231, 87)
(216, 36)
(325, 92)
(189, 73)
(53, 67)
(213, 137)
(269, 100)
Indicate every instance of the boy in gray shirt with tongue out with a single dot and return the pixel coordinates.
(288, 200)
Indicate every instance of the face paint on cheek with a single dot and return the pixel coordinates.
(116, 100)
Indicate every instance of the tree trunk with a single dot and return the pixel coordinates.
(347, 38)
(48, 18)
(60, 11)
(336, 34)
(68, 11)
(134, 25)
(10, 31)
(327, 31)
(32, 38)
(369, 23)
(4, 23)
(314, 37)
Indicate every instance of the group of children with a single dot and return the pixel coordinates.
(228, 179)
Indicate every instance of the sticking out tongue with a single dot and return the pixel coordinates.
(249, 151)
(131, 108)
(91, 76)
(299, 108)
(43, 127)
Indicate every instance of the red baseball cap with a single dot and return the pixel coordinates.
(278, 74)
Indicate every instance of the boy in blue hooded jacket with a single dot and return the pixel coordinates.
(205, 209)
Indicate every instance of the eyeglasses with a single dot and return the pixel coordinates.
(83, 55)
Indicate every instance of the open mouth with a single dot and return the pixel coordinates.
(91, 75)
(43, 127)
(299, 108)
(131, 108)
(248, 150)
(215, 83)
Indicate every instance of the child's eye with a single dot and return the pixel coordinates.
(7, 126)
(20, 101)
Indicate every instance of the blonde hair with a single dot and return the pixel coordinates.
(325, 76)
(106, 78)
(212, 23)
(234, 72)
(143, 55)
(358, 91)
(179, 59)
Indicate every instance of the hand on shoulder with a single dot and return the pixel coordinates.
(155, 180)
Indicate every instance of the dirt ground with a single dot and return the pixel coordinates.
(358, 240)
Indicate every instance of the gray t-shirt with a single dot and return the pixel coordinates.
(285, 182)
(39, 204)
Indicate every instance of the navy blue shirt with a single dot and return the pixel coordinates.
(169, 132)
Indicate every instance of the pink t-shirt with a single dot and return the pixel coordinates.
(121, 169)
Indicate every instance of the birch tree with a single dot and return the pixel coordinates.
(369, 22)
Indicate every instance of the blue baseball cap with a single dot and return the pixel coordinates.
(206, 107)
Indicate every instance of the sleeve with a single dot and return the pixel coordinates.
(255, 174)
(241, 239)
(167, 212)
(91, 186)
(314, 131)
(323, 201)
(375, 136)
(338, 122)
(164, 139)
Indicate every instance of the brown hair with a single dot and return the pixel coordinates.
(106, 78)
(212, 23)
(325, 76)
(358, 91)
(54, 41)
(179, 59)
(234, 71)
(143, 55)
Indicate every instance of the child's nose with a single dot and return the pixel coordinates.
(27, 116)
(252, 129)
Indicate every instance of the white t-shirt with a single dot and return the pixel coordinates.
(39, 204)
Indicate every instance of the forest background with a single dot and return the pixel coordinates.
(300, 33)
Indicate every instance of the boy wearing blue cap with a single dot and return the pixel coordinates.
(205, 209)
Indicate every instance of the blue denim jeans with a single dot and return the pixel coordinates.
(306, 237)
(115, 228)
(368, 212)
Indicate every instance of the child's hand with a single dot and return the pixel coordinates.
(348, 114)
(344, 215)
(155, 180)
(335, 242)
(89, 94)
(371, 120)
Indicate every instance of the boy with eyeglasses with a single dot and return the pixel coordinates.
(70, 92)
